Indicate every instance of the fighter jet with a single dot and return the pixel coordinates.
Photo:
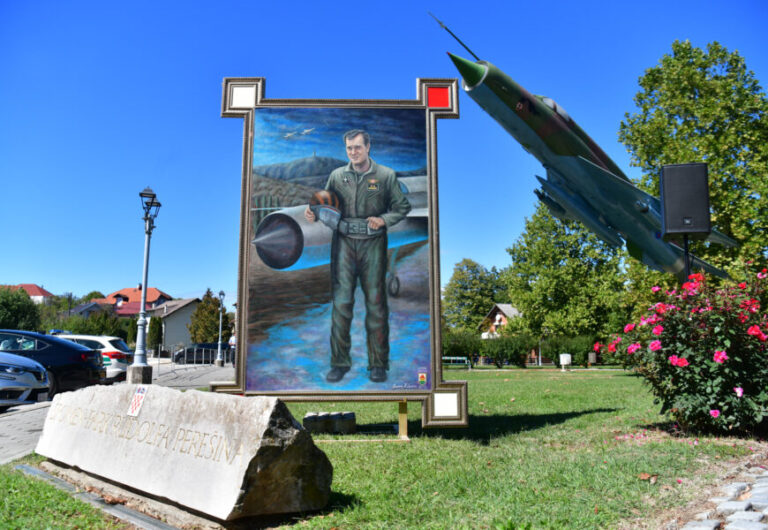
(581, 182)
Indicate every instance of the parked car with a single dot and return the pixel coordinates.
(69, 365)
(22, 381)
(204, 353)
(116, 354)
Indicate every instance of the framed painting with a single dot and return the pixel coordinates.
(338, 286)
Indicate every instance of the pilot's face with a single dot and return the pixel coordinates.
(357, 151)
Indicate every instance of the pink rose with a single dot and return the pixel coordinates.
(655, 345)
(628, 328)
(655, 289)
(714, 413)
(682, 362)
(720, 357)
(632, 348)
(597, 347)
(739, 391)
(673, 360)
(657, 330)
(755, 331)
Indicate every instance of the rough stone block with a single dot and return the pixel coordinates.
(709, 524)
(746, 516)
(722, 499)
(735, 488)
(222, 455)
(759, 502)
(729, 507)
(746, 525)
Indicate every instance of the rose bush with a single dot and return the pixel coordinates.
(703, 351)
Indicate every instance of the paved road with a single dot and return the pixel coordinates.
(20, 427)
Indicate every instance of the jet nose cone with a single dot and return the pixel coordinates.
(471, 72)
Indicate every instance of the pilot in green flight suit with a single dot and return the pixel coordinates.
(370, 201)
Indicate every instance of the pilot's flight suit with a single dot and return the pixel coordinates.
(358, 252)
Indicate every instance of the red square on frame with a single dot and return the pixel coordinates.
(438, 96)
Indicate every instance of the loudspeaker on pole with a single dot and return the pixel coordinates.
(685, 201)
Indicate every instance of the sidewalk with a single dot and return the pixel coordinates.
(20, 427)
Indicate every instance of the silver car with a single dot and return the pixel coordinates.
(22, 381)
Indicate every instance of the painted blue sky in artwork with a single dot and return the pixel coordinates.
(398, 136)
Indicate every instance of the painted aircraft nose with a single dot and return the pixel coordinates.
(471, 72)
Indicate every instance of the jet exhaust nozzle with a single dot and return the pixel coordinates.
(279, 240)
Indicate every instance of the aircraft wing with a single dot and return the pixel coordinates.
(614, 188)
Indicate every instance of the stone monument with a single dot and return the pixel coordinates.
(222, 455)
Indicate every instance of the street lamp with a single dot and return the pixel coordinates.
(140, 372)
(219, 358)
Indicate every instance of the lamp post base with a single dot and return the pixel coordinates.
(139, 375)
(218, 362)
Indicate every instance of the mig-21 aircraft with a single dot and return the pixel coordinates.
(581, 183)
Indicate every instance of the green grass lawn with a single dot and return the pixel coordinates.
(544, 449)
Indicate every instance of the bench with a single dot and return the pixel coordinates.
(457, 360)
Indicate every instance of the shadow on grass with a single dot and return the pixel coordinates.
(482, 428)
(338, 503)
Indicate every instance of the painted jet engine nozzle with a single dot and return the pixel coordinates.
(279, 240)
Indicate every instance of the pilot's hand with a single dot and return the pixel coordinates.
(309, 215)
(374, 223)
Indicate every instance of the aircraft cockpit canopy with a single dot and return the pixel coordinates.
(549, 102)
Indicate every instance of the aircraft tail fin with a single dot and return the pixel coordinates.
(698, 264)
(678, 268)
(721, 239)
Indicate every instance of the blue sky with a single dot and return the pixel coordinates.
(100, 99)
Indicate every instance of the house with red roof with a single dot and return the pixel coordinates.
(35, 292)
(127, 301)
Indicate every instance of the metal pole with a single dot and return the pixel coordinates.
(540, 341)
(141, 372)
(141, 337)
(686, 253)
(219, 358)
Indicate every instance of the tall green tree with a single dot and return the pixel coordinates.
(705, 106)
(564, 280)
(155, 334)
(204, 323)
(470, 294)
(18, 311)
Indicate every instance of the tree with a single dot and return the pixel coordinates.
(705, 106)
(470, 294)
(204, 323)
(564, 280)
(155, 335)
(90, 296)
(18, 311)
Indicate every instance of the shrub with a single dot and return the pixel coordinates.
(508, 349)
(461, 344)
(702, 350)
(579, 348)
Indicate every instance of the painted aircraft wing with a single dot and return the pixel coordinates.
(614, 188)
